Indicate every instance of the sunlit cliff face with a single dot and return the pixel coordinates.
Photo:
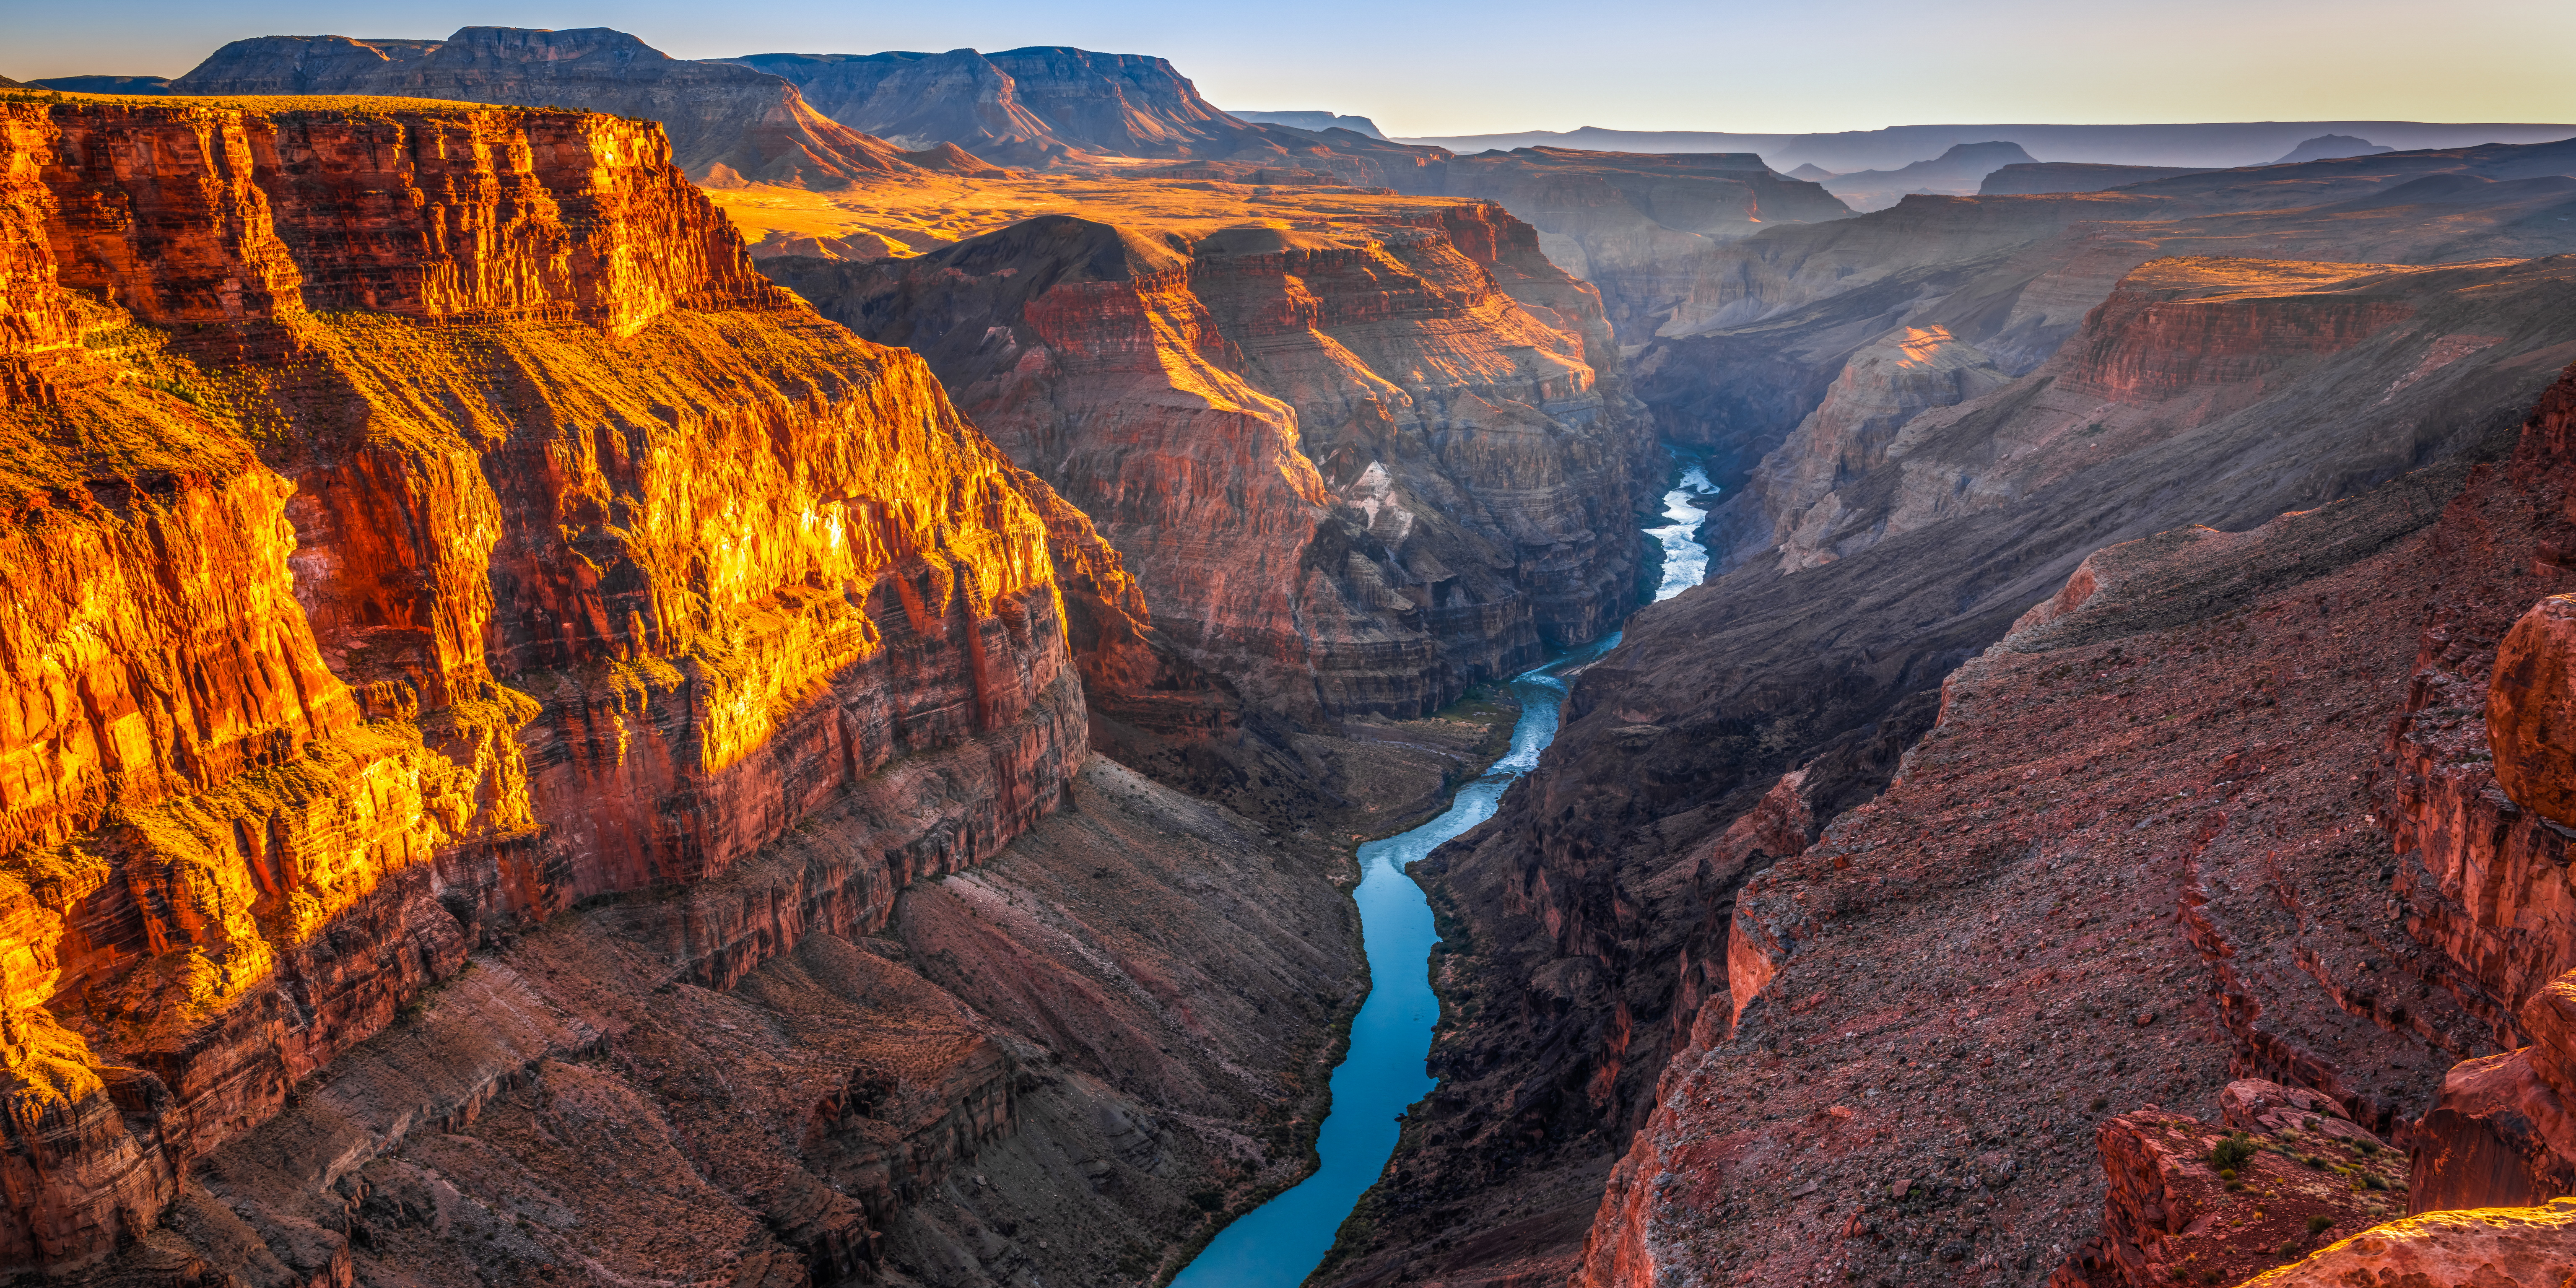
(418, 517)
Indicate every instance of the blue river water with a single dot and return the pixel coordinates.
(1279, 1243)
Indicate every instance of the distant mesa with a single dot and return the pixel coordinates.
(106, 84)
(1316, 121)
(2073, 176)
(1957, 172)
(2327, 147)
(1051, 106)
(729, 126)
(1812, 173)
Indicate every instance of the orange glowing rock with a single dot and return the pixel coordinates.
(421, 517)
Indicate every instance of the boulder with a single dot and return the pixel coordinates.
(2531, 710)
(2501, 1134)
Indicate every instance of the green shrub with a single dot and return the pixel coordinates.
(2319, 1223)
(2231, 1153)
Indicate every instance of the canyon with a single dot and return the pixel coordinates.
(1761, 326)
(2248, 859)
(782, 675)
(1604, 917)
(474, 708)
(1361, 452)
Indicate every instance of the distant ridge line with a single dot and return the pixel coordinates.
(2222, 144)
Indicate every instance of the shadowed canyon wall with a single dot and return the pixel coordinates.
(1593, 919)
(1744, 339)
(425, 521)
(1636, 226)
(2231, 806)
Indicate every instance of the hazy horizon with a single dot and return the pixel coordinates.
(1512, 67)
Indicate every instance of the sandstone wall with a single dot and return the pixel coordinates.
(422, 520)
(1355, 466)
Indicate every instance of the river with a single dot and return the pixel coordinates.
(1279, 1243)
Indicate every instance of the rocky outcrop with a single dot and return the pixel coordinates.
(2531, 711)
(2482, 803)
(728, 125)
(2189, 1203)
(1053, 106)
(1355, 468)
(423, 521)
(2472, 770)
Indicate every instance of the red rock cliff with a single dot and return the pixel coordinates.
(1356, 464)
(420, 518)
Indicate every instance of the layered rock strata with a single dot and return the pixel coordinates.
(1625, 222)
(728, 125)
(1924, 427)
(2221, 814)
(1356, 467)
(1062, 1066)
(1055, 107)
(1755, 330)
(1597, 906)
(425, 521)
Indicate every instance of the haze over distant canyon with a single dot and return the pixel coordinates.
(898, 668)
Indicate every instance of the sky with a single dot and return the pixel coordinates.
(1490, 66)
